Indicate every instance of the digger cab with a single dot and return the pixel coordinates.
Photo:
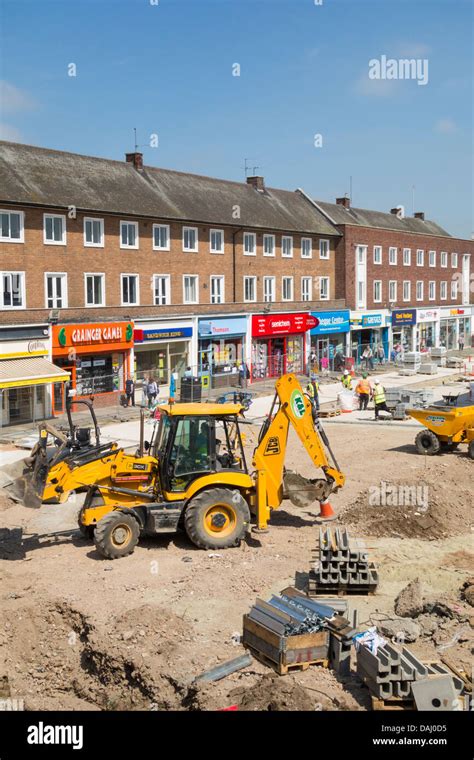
(195, 440)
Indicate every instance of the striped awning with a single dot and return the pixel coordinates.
(15, 373)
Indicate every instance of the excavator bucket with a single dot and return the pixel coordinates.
(303, 492)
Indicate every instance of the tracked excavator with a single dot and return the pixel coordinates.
(194, 474)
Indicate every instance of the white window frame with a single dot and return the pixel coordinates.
(408, 283)
(444, 258)
(287, 239)
(161, 227)
(63, 277)
(392, 291)
(420, 289)
(254, 287)
(195, 230)
(102, 233)
(321, 254)
(443, 290)
(94, 305)
(130, 274)
(310, 242)
(285, 280)
(23, 290)
(454, 290)
(432, 290)
(269, 279)
(392, 259)
(322, 280)
(454, 261)
(268, 236)
(136, 245)
(310, 288)
(407, 257)
(221, 279)
(196, 278)
(247, 237)
(221, 232)
(21, 214)
(378, 260)
(167, 280)
(432, 258)
(63, 241)
(420, 257)
(377, 283)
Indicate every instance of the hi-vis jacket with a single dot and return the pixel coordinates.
(312, 389)
(363, 386)
(379, 394)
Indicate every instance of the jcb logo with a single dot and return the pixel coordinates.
(272, 447)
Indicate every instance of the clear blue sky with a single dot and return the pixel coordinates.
(167, 69)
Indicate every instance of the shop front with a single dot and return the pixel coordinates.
(329, 338)
(161, 349)
(279, 344)
(403, 330)
(27, 375)
(369, 330)
(427, 333)
(221, 348)
(456, 324)
(97, 356)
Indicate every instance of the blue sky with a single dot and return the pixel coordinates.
(166, 69)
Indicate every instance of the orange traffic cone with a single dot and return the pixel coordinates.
(327, 513)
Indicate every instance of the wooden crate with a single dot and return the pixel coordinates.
(393, 703)
(285, 653)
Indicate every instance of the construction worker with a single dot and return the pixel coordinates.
(346, 380)
(363, 390)
(312, 389)
(378, 394)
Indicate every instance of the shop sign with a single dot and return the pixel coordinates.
(282, 324)
(403, 317)
(165, 333)
(372, 320)
(108, 334)
(456, 312)
(219, 328)
(331, 322)
(427, 315)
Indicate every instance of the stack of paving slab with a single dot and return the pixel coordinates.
(341, 565)
(390, 673)
(428, 368)
(438, 356)
(400, 399)
(411, 362)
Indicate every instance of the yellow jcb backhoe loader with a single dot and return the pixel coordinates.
(193, 474)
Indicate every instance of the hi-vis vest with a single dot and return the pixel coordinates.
(346, 380)
(363, 386)
(313, 389)
(379, 394)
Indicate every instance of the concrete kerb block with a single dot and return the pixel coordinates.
(420, 670)
(436, 694)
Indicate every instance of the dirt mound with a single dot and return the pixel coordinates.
(412, 509)
(272, 693)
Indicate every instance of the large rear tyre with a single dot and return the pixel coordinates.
(116, 535)
(427, 442)
(217, 519)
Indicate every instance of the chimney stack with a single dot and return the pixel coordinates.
(420, 215)
(346, 202)
(136, 159)
(257, 182)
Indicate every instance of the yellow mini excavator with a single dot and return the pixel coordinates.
(194, 474)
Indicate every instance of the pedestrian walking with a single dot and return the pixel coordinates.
(130, 391)
(244, 374)
(151, 391)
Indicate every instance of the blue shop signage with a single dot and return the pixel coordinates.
(372, 320)
(167, 333)
(221, 328)
(403, 317)
(331, 322)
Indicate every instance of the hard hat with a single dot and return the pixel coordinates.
(376, 380)
(313, 376)
(346, 371)
(364, 375)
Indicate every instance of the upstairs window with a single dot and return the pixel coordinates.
(11, 226)
(324, 249)
(130, 292)
(377, 254)
(420, 257)
(190, 239)
(269, 245)
(95, 289)
(161, 289)
(56, 290)
(287, 289)
(432, 258)
(287, 246)
(392, 255)
(161, 237)
(406, 257)
(306, 248)
(93, 232)
(128, 234)
(13, 290)
(250, 244)
(324, 288)
(54, 229)
(217, 241)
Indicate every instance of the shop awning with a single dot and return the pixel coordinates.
(15, 373)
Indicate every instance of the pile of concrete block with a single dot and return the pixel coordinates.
(428, 368)
(411, 361)
(400, 399)
(438, 356)
(341, 564)
(390, 673)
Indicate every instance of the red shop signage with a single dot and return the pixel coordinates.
(282, 324)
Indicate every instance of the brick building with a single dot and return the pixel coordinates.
(405, 279)
(135, 269)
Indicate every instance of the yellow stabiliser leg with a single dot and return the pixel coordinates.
(263, 510)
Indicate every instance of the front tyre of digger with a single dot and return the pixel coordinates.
(217, 518)
(470, 449)
(116, 535)
(427, 442)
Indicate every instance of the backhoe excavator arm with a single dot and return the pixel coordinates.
(294, 409)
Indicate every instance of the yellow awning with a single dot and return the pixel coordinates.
(15, 373)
